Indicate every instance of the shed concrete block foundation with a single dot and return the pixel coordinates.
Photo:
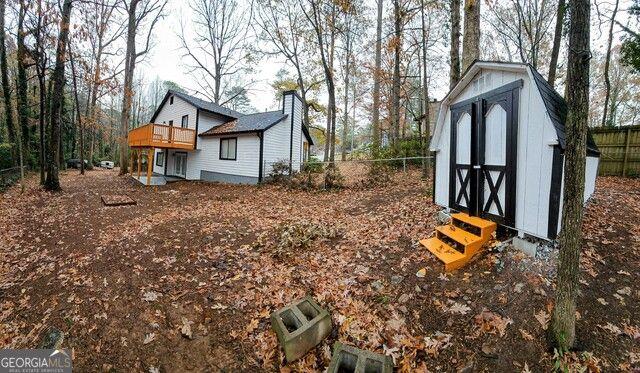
(444, 217)
(300, 326)
(350, 359)
(527, 247)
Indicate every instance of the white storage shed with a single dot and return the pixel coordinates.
(499, 143)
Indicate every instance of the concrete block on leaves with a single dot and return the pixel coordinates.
(353, 360)
(300, 326)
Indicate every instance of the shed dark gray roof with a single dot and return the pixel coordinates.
(557, 109)
(248, 123)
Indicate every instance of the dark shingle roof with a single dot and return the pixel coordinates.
(557, 109)
(247, 123)
(206, 105)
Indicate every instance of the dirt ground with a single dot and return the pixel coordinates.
(185, 280)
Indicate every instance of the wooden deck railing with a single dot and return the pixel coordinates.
(162, 136)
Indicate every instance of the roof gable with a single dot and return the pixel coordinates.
(555, 105)
(198, 103)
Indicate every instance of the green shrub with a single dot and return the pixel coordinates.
(280, 171)
(333, 179)
(313, 165)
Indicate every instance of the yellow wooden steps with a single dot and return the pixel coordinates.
(457, 242)
(451, 257)
(457, 234)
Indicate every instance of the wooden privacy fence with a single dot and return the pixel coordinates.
(620, 150)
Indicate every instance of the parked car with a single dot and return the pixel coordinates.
(75, 163)
(106, 164)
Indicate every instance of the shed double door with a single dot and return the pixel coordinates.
(484, 132)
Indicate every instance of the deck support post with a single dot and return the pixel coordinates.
(150, 153)
(131, 155)
(139, 163)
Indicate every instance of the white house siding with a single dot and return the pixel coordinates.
(276, 144)
(207, 121)
(175, 112)
(296, 152)
(158, 169)
(243, 170)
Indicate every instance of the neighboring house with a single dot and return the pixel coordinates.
(499, 143)
(195, 139)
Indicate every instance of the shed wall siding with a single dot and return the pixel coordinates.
(590, 173)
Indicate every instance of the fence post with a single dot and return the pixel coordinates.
(404, 165)
(626, 152)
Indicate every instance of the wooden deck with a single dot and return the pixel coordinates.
(162, 136)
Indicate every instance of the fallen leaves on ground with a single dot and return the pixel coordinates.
(187, 278)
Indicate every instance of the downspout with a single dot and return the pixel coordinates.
(260, 157)
(293, 109)
(195, 142)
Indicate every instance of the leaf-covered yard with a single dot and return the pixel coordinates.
(187, 278)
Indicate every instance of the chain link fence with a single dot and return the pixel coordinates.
(9, 176)
(350, 173)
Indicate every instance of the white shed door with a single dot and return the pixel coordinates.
(495, 157)
(463, 158)
(484, 132)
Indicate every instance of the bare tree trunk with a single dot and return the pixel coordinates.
(395, 86)
(425, 95)
(21, 92)
(471, 38)
(607, 62)
(564, 315)
(40, 72)
(454, 53)
(6, 90)
(77, 105)
(127, 92)
(345, 123)
(557, 39)
(375, 133)
(53, 164)
(331, 85)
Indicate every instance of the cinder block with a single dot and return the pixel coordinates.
(522, 244)
(349, 359)
(300, 326)
(444, 217)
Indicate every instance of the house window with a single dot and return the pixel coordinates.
(160, 159)
(228, 148)
(171, 100)
(185, 121)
